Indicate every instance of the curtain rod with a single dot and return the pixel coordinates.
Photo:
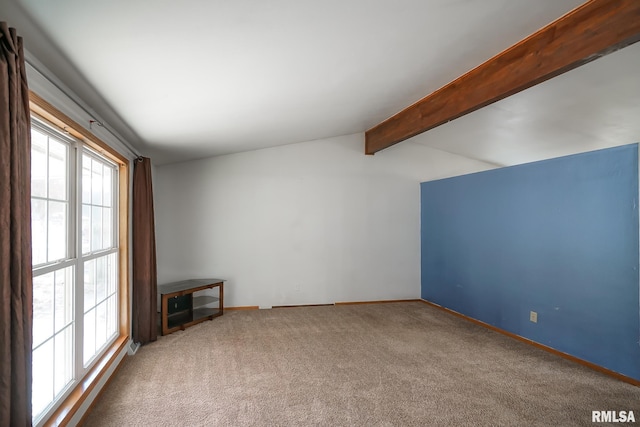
(34, 63)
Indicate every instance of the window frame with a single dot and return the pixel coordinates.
(111, 355)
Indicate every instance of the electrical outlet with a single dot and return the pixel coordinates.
(533, 316)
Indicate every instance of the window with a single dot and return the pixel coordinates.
(53, 275)
(76, 272)
(99, 255)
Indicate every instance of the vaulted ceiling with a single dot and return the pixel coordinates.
(190, 79)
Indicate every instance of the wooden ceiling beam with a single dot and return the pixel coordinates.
(588, 32)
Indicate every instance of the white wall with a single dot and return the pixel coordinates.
(308, 223)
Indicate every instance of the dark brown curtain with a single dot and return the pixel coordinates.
(145, 280)
(16, 305)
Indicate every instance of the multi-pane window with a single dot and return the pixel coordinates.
(75, 262)
(53, 281)
(99, 255)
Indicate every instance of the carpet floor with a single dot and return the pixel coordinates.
(395, 364)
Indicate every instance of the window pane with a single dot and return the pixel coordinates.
(38, 164)
(96, 182)
(57, 170)
(107, 232)
(86, 229)
(101, 325)
(96, 228)
(42, 382)
(108, 185)
(112, 274)
(57, 240)
(86, 179)
(89, 285)
(63, 361)
(38, 231)
(63, 298)
(112, 316)
(101, 278)
(89, 336)
(42, 308)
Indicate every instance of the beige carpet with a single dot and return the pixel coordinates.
(397, 364)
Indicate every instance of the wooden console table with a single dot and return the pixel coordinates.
(183, 304)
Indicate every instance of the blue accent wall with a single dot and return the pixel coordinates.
(558, 237)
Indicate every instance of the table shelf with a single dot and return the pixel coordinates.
(203, 300)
